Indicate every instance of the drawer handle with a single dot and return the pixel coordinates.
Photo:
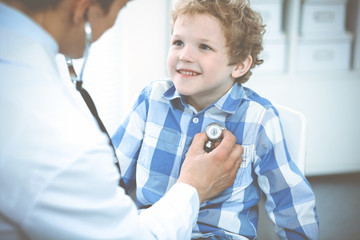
(323, 55)
(324, 16)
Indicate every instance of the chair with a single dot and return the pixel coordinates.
(294, 127)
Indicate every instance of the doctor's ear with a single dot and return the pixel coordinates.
(80, 9)
(242, 67)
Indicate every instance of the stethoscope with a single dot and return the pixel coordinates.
(69, 62)
(78, 81)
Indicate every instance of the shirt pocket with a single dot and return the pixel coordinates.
(160, 147)
(242, 180)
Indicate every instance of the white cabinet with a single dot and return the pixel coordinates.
(321, 79)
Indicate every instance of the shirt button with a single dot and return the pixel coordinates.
(195, 120)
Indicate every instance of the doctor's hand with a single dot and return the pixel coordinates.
(211, 173)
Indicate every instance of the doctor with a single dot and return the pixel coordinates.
(57, 175)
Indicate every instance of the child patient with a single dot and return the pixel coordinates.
(214, 46)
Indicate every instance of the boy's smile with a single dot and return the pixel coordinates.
(198, 60)
(187, 73)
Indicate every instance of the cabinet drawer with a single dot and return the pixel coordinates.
(274, 55)
(324, 54)
(272, 14)
(323, 17)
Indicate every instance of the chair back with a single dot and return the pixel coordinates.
(294, 127)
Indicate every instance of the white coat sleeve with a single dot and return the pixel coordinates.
(83, 201)
(173, 208)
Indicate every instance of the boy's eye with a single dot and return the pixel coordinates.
(204, 47)
(178, 43)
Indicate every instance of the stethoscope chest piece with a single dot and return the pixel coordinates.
(214, 132)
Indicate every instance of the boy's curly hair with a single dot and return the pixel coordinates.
(243, 27)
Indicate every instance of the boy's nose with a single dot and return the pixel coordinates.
(186, 55)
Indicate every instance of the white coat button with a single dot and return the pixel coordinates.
(195, 120)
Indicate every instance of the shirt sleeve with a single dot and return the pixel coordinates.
(290, 201)
(128, 138)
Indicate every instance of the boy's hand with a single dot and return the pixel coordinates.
(211, 173)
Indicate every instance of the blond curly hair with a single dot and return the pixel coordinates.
(243, 27)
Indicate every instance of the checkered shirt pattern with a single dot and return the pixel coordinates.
(152, 142)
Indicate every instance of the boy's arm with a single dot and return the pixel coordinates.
(127, 141)
(290, 201)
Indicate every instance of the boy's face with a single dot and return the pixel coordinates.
(198, 60)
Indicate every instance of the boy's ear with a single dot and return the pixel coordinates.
(242, 67)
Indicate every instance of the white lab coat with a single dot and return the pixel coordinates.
(57, 176)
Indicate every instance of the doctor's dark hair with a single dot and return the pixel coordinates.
(39, 5)
(243, 28)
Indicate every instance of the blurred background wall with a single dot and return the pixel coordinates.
(312, 64)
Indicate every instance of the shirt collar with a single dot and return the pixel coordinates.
(231, 101)
(17, 21)
(228, 103)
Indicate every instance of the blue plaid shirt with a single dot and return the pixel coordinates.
(152, 142)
